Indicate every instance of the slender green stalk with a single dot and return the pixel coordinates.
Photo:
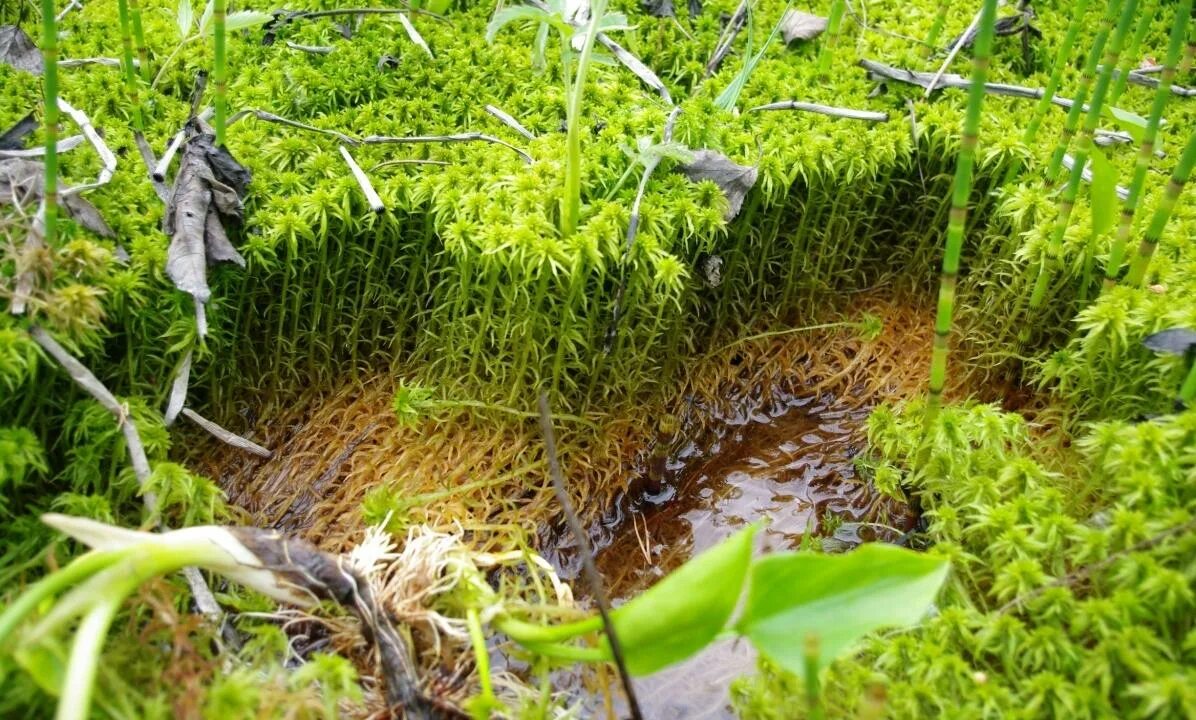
(1146, 150)
(1081, 96)
(526, 633)
(219, 71)
(833, 27)
(79, 681)
(1067, 198)
(50, 95)
(83, 567)
(1062, 60)
(126, 42)
(139, 37)
(957, 220)
(571, 212)
(1149, 9)
(482, 660)
(1162, 214)
(936, 29)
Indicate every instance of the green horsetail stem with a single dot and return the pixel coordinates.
(50, 92)
(139, 37)
(126, 42)
(219, 71)
(1189, 53)
(833, 27)
(1146, 151)
(1081, 96)
(1149, 9)
(1162, 214)
(571, 214)
(1067, 200)
(936, 28)
(1062, 60)
(959, 210)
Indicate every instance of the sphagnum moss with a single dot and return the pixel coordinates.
(330, 291)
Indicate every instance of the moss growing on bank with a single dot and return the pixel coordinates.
(465, 284)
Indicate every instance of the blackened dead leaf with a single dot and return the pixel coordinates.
(798, 25)
(658, 8)
(17, 50)
(207, 195)
(1011, 25)
(387, 62)
(1173, 341)
(14, 137)
(695, 8)
(733, 179)
(23, 181)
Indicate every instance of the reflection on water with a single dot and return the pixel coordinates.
(789, 462)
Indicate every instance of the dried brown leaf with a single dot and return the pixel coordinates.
(733, 179)
(798, 25)
(18, 50)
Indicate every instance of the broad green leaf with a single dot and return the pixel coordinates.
(515, 13)
(245, 19)
(834, 599)
(682, 613)
(1132, 123)
(184, 17)
(1103, 193)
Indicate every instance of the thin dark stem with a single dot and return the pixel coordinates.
(587, 556)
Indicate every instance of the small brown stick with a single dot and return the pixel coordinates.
(954, 51)
(271, 117)
(312, 49)
(371, 196)
(178, 390)
(734, 25)
(159, 169)
(637, 67)
(90, 384)
(510, 122)
(407, 161)
(590, 569)
(71, 5)
(828, 110)
(106, 157)
(105, 61)
(63, 145)
(1139, 77)
(225, 436)
(147, 157)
